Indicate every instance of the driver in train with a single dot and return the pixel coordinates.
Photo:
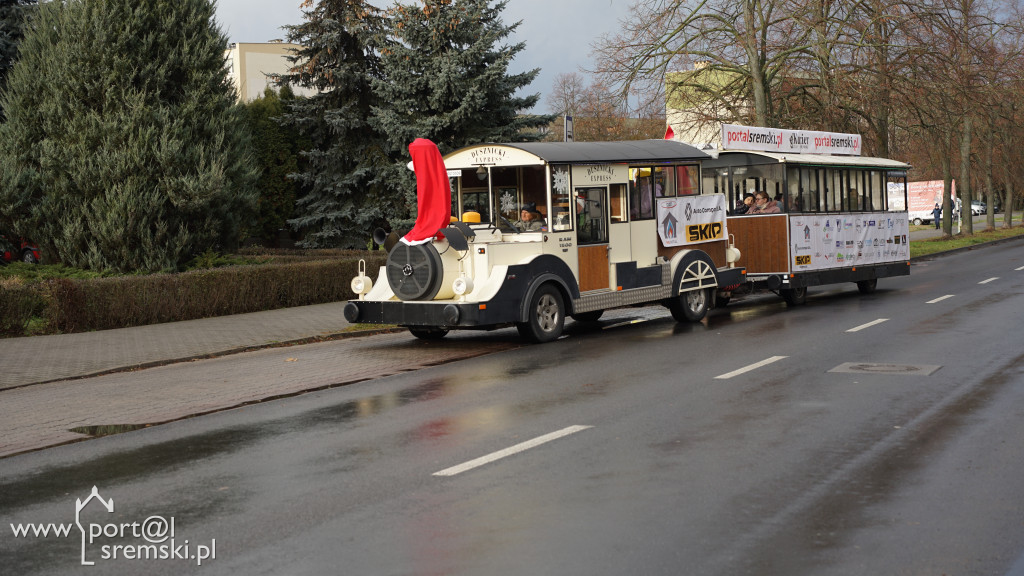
(530, 220)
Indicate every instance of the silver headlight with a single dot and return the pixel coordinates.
(462, 286)
(361, 285)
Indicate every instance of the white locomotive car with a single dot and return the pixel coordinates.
(606, 224)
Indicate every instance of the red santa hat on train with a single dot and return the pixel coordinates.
(433, 192)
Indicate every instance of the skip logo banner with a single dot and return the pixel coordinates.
(691, 219)
(105, 536)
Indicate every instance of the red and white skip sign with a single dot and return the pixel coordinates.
(759, 139)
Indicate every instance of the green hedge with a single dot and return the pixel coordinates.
(75, 305)
(19, 301)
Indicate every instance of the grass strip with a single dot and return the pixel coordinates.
(929, 246)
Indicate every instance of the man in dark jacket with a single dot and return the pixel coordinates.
(744, 206)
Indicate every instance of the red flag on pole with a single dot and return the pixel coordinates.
(669, 134)
(433, 192)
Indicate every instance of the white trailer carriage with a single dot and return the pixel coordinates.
(837, 223)
(623, 223)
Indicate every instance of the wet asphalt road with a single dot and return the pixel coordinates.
(883, 434)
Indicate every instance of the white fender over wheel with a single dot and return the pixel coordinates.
(695, 281)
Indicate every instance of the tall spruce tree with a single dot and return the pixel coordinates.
(124, 148)
(446, 77)
(277, 156)
(343, 200)
(13, 15)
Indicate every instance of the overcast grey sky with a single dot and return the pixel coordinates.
(558, 33)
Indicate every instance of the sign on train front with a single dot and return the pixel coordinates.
(691, 219)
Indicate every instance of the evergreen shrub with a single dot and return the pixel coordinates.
(82, 304)
(19, 300)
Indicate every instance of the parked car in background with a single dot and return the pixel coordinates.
(14, 248)
(978, 208)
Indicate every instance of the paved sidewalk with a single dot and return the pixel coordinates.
(47, 415)
(38, 359)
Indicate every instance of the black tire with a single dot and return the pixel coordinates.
(414, 272)
(794, 296)
(592, 316)
(690, 306)
(867, 286)
(917, 222)
(29, 258)
(546, 316)
(428, 333)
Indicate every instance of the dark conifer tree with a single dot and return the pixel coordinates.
(343, 199)
(445, 76)
(277, 155)
(13, 16)
(124, 148)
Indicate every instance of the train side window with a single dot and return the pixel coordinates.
(877, 201)
(475, 200)
(687, 183)
(561, 217)
(641, 194)
(619, 207)
(664, 184)
(838, 190)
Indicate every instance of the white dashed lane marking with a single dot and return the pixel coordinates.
(868, 325)
(939, 299)
(510, 451)
(750, 368)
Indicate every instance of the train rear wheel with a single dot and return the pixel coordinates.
(867, 286)
(794, 296)
(690, 306)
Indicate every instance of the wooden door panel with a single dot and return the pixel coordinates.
(763, 241)
(594, 267)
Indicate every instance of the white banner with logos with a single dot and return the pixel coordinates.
(759, 139)
(692, 219)
(844, 240)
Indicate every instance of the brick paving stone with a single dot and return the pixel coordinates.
(48, 358)
(40, 416)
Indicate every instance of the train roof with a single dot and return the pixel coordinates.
(540, 153)
(747, 158)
